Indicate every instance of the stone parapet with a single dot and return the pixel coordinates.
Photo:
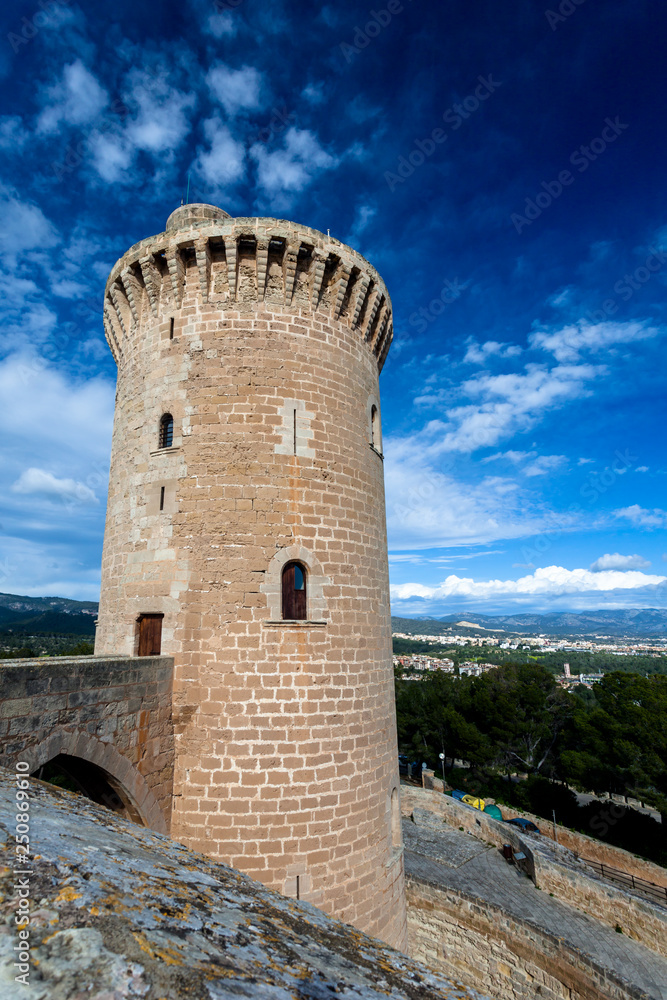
(236, 264)
(112, 711)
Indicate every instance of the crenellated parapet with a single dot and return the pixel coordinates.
(232, 264)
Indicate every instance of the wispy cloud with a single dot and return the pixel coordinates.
(568, 343)
(614, 560)
(643, 518)
(77, 99)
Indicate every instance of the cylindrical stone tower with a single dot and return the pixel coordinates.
(246, 537)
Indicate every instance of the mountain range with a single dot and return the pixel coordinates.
(31, 615)
(633, 623)
(35, 615)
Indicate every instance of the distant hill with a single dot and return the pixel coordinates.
(34, 615)
(633, 623)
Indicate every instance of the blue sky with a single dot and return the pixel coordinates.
(502, 165)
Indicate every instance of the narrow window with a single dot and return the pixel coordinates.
(294, 592)
(298, 888)
(162, 498)
(150, 635)
(376, 433)
(171, 328)
(294, 433)
(166, 431)
(395, 819)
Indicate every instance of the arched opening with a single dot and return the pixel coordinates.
(295, 603)
(166, 436)
(78, 775)
(376, 431)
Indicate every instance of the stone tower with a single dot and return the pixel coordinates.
(246, 537)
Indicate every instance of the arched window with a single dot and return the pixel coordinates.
(294, 592)
(376, 433)
(166, 431)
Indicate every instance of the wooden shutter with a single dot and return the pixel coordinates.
(150, 635)
(295, 604)
(288, 591)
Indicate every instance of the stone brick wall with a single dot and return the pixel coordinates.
(286, 754)
(639, 919)
(597, 850)
(111, 711)
(484, 947)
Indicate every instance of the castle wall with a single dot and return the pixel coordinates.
(481, 945)
(553, 870)
(109, 711)
(286, 753)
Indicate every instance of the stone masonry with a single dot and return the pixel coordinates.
(264, 341)
(112, 712)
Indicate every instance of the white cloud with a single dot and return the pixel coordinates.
(112, 157)
(44, 409)
(548, 580)
(643, 518)
(236, 89)
(614, 560)
(536, 465)
(586, 461)
(478, 354)
(13, 136)
(76, 100)
(221, 24)
(43, 483)
(569, 342)
(509, 404)
(427, 509)
(224, 161)
(24, 225)
(544, 464)
(642, 468)
(287, 171)
(160, 122)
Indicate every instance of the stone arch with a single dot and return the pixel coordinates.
(124, 778)
(272, 586)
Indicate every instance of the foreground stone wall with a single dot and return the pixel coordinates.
(597, 850)
(509, 958)
(114, 712)
(119, 911)
(554, 870)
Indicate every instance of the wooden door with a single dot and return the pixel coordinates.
(150, 635)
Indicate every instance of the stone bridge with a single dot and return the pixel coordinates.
(100, 725)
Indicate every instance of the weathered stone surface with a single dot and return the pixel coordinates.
(120, 912)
